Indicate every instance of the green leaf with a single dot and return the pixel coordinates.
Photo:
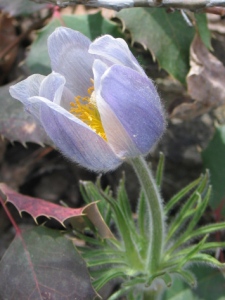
(210, 286)
(91, 193)
(214, 160)
(203, 31)
(160, 169)
(206, 259)
(108, 275)
(143, 221)
(207, 229)
(91, 25)
(42, 263)
(188, 277)
(166, 35)
(125, 208)
(180, 195)
(38, 60)
(199, 210)
(187, 209)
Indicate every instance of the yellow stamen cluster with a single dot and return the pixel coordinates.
(86, 110)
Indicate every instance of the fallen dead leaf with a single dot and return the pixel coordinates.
(7, 37)
(205, 82)
(216, 23)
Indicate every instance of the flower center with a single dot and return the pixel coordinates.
(86, 110)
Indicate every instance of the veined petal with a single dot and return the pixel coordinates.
(68, 51)
(135, 102)
(27, 88)
(72, 137)
(99, 69)
(117, 138)
(51, 87)
(116, 51)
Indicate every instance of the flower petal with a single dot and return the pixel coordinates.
(72, 137)
(68, 51)
(99, 69)
(51, 87)
(116, 51)
(135, 102)
(27, 88)
(118, 139)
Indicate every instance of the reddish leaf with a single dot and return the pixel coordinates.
(43, 264)
(37, 207)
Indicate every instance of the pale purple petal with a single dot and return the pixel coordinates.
(99, 69)
(68, 51)
(117, 137)
(116, 51)
(51, 87)
(67, 98)
(27, 88)
(135, 102)
(72, 137)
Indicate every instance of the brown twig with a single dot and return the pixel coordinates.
(16, 227)
(215, 11)
(33, 26)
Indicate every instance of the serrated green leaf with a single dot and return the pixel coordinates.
(166, 35)
(214, 160)
(91, 25)
(38, 60)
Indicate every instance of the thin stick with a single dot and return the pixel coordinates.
(193, 5)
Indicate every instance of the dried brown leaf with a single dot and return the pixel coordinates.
(205, 82)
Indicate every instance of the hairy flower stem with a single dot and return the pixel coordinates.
(154, 204)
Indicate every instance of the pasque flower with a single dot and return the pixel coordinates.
(97, 106)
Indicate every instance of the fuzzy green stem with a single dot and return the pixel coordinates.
(154, 202)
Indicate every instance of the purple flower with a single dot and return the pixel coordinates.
(98, 106)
